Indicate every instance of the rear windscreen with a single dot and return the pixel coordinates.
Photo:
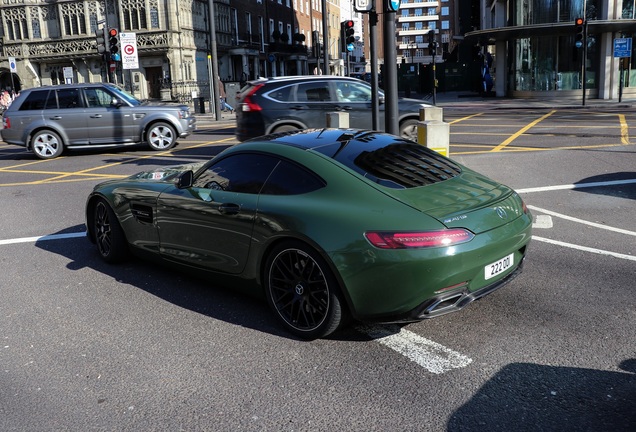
(400, 164)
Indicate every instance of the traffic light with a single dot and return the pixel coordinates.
(113, 44)
(348, 38)
(579, 36)
(432, 43)
(100, 37)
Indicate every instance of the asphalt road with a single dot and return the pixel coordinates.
(89, 346)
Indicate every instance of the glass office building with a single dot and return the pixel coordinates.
(537, 52)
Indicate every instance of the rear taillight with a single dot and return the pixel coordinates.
(6, 123)
(248, 104)
(418, 239)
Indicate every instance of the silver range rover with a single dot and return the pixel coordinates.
(47, 120)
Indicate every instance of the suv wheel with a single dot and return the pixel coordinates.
(161, 136)
(408, 129)
(47, 144)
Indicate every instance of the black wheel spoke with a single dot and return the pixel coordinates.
(299, 290)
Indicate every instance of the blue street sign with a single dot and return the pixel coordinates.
(623, 47)
(394, 5)
(349, 47)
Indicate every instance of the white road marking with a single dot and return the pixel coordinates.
(430, 355)
(576, 186)
(573, 219)
(543, 222)
(585, 248)
(42, 238)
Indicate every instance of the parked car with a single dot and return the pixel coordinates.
(331, 223)
(47, 120)
(270, 105)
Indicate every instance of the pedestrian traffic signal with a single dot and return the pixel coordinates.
(347, 35)
(113, 44)
(100, 37)
(579, 36)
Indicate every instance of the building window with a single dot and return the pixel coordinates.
(134, 14)
(418, 25)
(445, 25)
(73, 18)
(16, 24)
(418, 12)
(419, 39)
(432, 11)
(406, 40)
(405, 12)
(154, 17)
(405, 26)
(445, 11)
(432, 25)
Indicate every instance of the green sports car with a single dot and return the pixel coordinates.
(331, 223)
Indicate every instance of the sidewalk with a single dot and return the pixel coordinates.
(467, 99)
(459, 100)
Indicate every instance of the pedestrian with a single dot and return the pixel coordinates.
(223, 98)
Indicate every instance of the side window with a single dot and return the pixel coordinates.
(352, 92)
(243, 173)
(313, 92)
(36, 100)
(98, 97)
(69, 98)
(291, 179)
(282, 94)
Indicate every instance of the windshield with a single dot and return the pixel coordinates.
(124, 95)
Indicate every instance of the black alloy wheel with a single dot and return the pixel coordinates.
(109, 236)
(302, 291)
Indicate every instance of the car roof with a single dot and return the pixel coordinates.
(385, 158)
(61, 86)
(293, 78)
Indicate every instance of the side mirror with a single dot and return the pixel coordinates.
(116, 102)
(185, 179)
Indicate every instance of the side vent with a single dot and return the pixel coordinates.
(141, 213)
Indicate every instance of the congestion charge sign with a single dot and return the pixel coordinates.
(129, 57)
(394, 5)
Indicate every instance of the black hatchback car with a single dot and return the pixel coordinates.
(270, 105)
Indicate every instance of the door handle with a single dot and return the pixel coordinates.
(229, 208)
(56, 118)
(96, 116)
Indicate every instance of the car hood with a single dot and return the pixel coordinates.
(166, 174)
(470, 200)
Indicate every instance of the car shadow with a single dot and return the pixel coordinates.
(223, 298)
(620, 190)
(530, 397)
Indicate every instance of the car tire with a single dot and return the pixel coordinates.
(302, 291)
(285, 128)
(47, 144)
(161, 136)
(408, 129)
(108, 233)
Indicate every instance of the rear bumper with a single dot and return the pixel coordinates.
(451, 302)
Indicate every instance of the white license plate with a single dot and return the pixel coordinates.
(498, 267)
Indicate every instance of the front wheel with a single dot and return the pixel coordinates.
(161, 136)
(302, 291)
(47, 144)
(408, 129)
